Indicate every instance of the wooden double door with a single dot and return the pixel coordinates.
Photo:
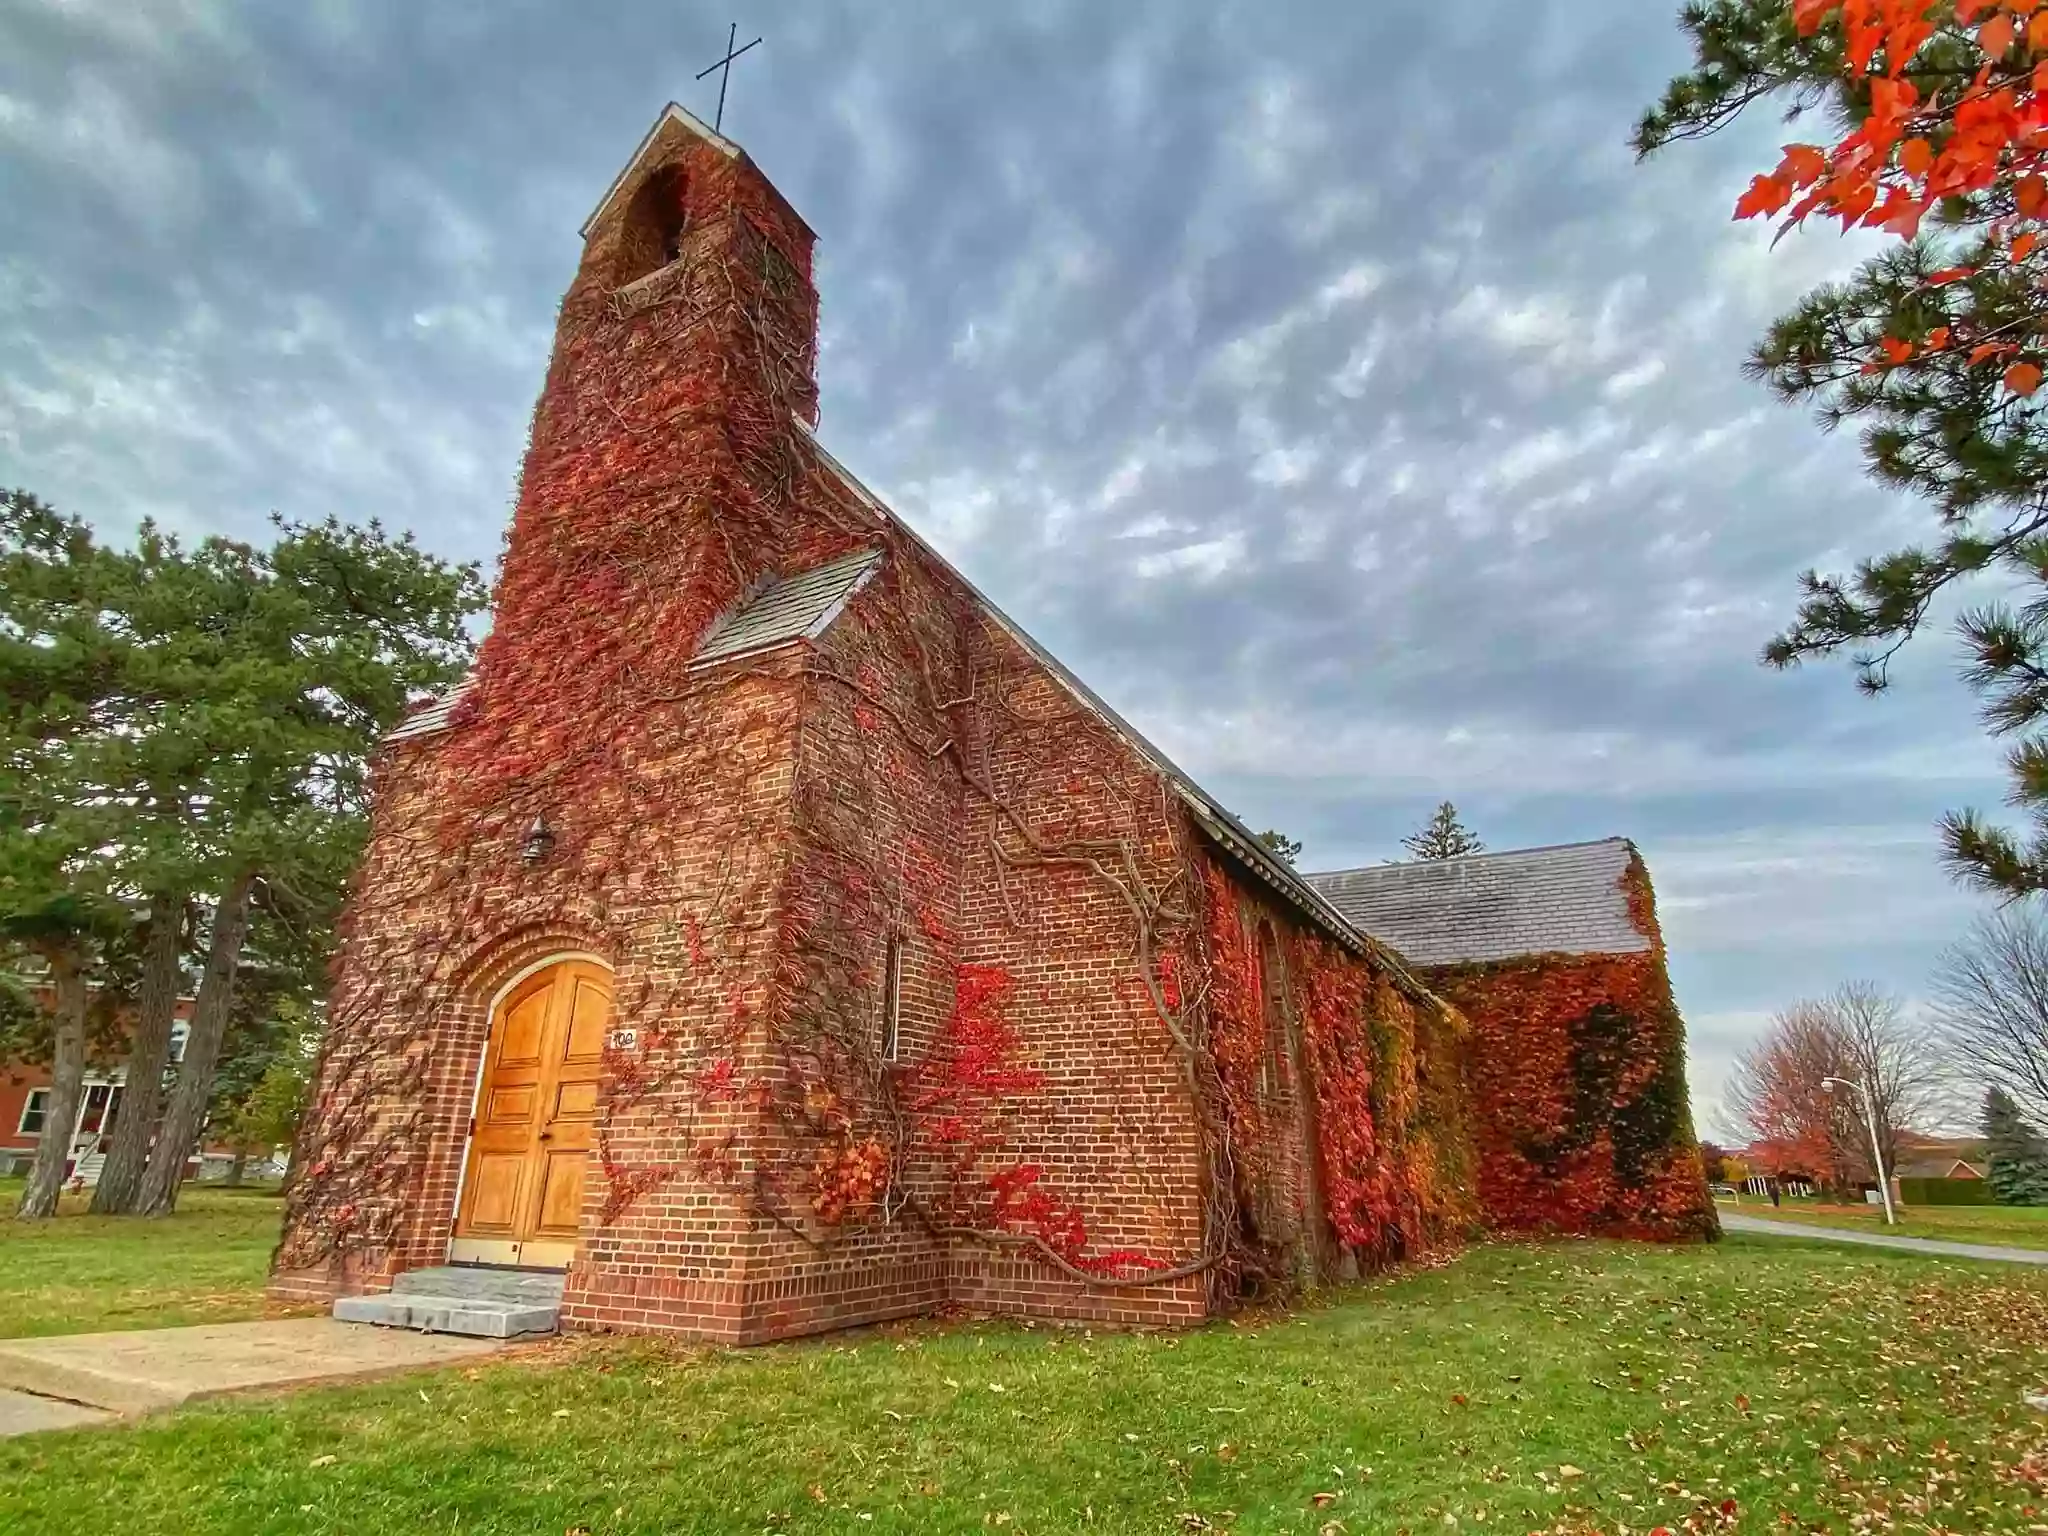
(536, 1111)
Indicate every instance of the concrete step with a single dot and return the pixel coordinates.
(482, 1303)
(437, 1314)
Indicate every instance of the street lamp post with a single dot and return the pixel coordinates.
(1884, 1184)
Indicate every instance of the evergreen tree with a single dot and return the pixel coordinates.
(2018, 1153)
(193, 727)
(1443, 836)
(1287, 848)
(60, 660)
(1934, 346)
(335, 629)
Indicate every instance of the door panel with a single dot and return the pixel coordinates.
(525, 1028)
(561, 1196)
(575, 1100)
(532, 1137)
(590, 1010)
(494, 1197)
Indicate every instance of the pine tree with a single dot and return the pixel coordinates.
(184, 752)
(1279, 843)
(335, 629)
(1935, 346)
(2018, 1154)
(61, 662)
(1443, 836)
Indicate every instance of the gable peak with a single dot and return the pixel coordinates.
(683, 119)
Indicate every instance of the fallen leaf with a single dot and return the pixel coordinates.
(1322, 1500)
(321, 1461)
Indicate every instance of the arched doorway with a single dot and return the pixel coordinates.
(536, 1109)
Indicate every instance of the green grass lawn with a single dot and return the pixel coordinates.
(1756, 1386)
(2013, 1226)
(79, 1273)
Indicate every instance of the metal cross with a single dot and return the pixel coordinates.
(731, 53)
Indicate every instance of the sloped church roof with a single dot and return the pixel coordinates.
(1562, 900)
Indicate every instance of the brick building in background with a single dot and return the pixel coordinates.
(774, 937)
(25, 1095)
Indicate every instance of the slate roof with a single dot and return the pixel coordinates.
(796, 607)
(1494, 906)
(430, 717)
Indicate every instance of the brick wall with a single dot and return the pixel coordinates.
(1578, 1066)
(1087, 1087)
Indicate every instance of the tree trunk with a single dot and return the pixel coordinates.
(185, 1114)
(67, 1086)
(237, 1168)
(142, 1098)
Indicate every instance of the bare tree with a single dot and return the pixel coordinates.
(1894, 1056)
(1778, 1094)
(1991, 1002)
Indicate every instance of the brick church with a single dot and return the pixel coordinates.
(771, 936)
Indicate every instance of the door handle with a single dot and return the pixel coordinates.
(547, 1135)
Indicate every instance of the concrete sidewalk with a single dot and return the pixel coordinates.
(160, 1368)
(1734, 1222)
(22, 1413)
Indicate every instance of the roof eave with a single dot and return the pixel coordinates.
(1222, 827)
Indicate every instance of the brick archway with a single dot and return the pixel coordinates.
(461, 1032)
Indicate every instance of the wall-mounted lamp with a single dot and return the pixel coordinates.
(539, 843)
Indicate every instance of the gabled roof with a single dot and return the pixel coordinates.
(1937, 1168)
(689, 123)
(798, 607)
(1222, 827)
(780, 612)
(431, 716)
(1566, 899)
(669, 114)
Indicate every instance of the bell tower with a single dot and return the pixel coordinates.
(692, 221)
(664, 456)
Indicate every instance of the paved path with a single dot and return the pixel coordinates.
(158, 1368)
(1738, 1223)
(23, 1414)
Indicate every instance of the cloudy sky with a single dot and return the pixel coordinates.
(1324, 381)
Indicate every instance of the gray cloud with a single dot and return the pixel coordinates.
(1328, 385)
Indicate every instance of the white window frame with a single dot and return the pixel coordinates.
(37, 1103)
